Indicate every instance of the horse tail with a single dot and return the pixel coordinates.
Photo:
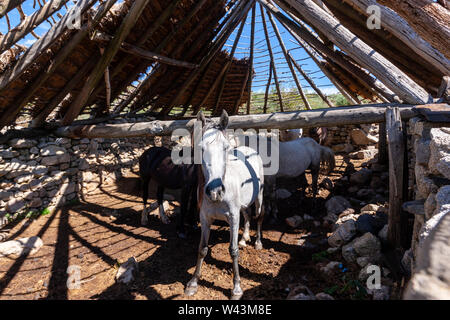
(327, 156)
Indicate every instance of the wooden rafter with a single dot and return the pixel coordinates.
(252, 49)
(110, 51)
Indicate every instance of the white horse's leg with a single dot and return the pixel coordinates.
(246, 234)
(162, 214)
(260, 214)
(192, 286)
(234, 253)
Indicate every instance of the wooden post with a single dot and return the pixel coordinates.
(289, 62)
(127, 24)
(269, 47)
(250, 71)
(7, 5)
(396, 146)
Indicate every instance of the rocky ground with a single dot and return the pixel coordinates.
(312, 253)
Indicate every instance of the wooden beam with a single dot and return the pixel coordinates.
(225, 70)
(428, 18)
(252, 49)
(289, 62)
(127, 24)
(328, 117)
(269, 47)
(241, 11)
(396, 145)
(29, 23)
(302, 34)
(14, 109)
(389, 74)
(39, 120)
(42, 44)
(7, 5)
(241, 92)
(269, 81)
(142, 53)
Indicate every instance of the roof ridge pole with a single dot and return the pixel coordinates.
(288, 60)
(383, 69)
(16, 107)
(29, 23)
(269, 47)
(127, 24)
(250, 68)
(269, 80)
(224, 72)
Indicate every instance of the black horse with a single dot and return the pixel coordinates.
(156, 163)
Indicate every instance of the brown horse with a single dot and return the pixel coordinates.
(156, 163)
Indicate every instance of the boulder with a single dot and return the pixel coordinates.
(440, 151)
(349, 254)
(367, 245)
(362, 261)
(361, 177)
(370, 208)
(430, 205)
(343, 234)
(330, 267)
(300, 292)
(22, 143)
(21, 246)
(52, 150)
(127, 271)
(383, 234)
(15, 205)
(372, 223)
(380, 294)
(360, 137)
(294, 221)
(323, 296)
(337, 205)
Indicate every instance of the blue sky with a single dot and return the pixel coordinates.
(261, 61)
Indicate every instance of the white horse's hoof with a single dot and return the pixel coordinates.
(258, 245)
(190, 290)
(242, 243)
(237, 294)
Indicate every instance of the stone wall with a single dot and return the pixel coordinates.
(48, 172)
(430, 163)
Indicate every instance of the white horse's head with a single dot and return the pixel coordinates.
(215, 147)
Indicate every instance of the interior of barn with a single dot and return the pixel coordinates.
(86, 87)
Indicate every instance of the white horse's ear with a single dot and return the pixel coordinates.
(201, 117)
(223, 120)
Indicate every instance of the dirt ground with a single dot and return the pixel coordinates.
(102, 231)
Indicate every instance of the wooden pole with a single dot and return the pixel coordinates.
(7, 5)
(250, 68)
(327, 117)
(382, 145)
(289, 62)
(241, 92)
(302, 34)
(269, 47)
(29, 23)
(396, 145)
(428, 18)
(127, 24)
(225, 71)
(41, 45)
(269, 80)
(23, 99)
(389, 74)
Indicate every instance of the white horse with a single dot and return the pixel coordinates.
(290, 134)
(231, 180)
(295, 157)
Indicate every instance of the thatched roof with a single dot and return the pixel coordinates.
(70, 72)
